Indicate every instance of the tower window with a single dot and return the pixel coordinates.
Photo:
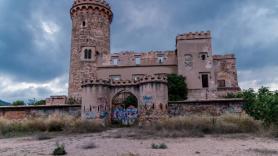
(203, 55)
(137, 60)
(205, 80)
(87, 54)
(84, 24)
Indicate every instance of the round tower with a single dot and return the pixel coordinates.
(91, 21)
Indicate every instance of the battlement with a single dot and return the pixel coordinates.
(100, 6)
(96, 2)
(226, 56)
(194, 35)
(145, 79)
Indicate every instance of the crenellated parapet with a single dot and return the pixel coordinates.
(194, 35)
(93, 6)
(226, 56)
(121, 83)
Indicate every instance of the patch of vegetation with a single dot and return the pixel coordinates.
(177, 87)
(159, 146)
(261, 105)
(18, 103)
(43, 136)
(40, 103)
(264, 151)
(55, 123)
(130, 154)
(89, 145)
(59, 150)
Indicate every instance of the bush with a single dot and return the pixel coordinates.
(18, 103)
(39, 103)
(59, 150)
(262, 105)
(159, 146)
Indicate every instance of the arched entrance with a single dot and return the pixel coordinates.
(124, 109)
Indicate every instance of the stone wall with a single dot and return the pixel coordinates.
(21, 112)
(207, 107)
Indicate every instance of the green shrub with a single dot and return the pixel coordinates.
(262, 105)
(18, 103)
(159, 146)
(59, 150)
(177, 88)
(40, 102)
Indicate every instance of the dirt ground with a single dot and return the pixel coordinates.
(107, 145)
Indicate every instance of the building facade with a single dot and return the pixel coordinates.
(123, 86)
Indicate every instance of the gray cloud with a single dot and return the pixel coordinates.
(35, 36)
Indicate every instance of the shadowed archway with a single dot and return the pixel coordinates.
(124, 109)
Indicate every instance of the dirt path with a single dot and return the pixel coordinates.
(107, 146)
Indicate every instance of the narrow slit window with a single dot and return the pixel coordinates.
(205, 80)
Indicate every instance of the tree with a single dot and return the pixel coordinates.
(177, 88)
(130, 100)
(18, 103)
(40, 102)
(262, 105)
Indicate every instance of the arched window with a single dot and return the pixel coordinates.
(83, 23)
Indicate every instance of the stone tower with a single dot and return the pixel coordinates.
(91, 21)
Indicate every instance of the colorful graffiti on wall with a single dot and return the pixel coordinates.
(148, 100)
(124, 116)
(90, 115)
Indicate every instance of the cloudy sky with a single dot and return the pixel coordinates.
(35, 38)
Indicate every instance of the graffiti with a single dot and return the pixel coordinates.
(125, 116)
(148, 100)
(103, 108)
(90, 115)
(103, 115)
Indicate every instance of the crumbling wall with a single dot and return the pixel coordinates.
(206, 107)
(22, 112)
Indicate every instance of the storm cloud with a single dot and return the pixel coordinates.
(35, 38)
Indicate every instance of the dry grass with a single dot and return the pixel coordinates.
(89, 145)
(264, 151)
(130, 154)
(55, 123)
(209, 125)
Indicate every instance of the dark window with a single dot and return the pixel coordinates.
(84, 24)
(87, 54)
(205, 80)
(221, 83)
(203, 57)
(90, 108)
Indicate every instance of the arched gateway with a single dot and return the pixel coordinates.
(124, 109)
(125, 102)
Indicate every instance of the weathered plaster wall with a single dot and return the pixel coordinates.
(225, 70)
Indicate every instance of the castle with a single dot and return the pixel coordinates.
(106, 82)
